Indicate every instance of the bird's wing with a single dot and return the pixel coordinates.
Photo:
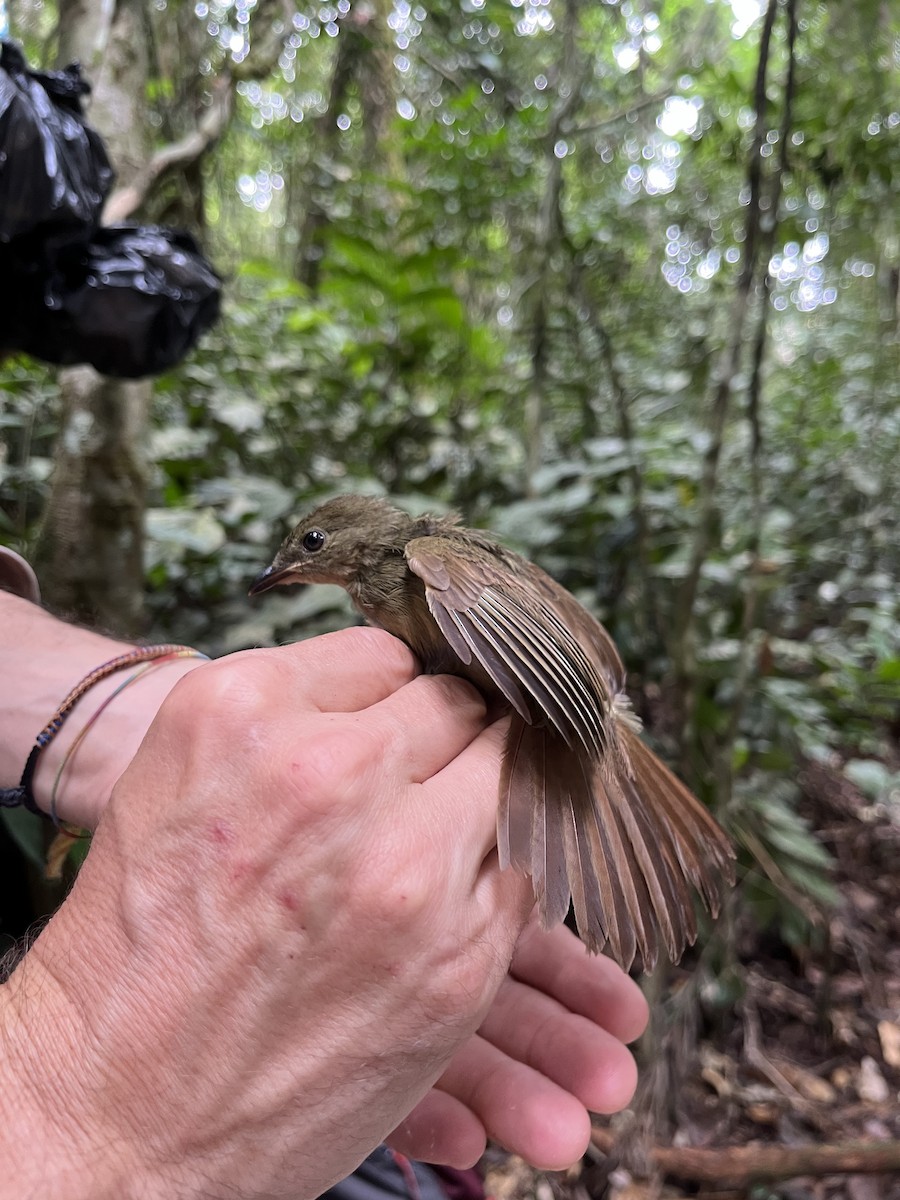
(509, 620)
(615, 831)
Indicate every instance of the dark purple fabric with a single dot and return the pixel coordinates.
(387, 1175)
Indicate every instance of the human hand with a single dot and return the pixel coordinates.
(291, 918)
(551, 1049)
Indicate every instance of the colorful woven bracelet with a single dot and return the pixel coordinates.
(23, 795)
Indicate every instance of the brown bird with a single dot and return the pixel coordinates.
(585, 807)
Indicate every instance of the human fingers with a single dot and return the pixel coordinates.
(533, 1029)
(426, 724)
(466, 791)
(345, 671)
(555, 962)
(520, 1107)
(536, 1067)
(441, 1129)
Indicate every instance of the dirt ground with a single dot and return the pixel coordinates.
(793, 1090)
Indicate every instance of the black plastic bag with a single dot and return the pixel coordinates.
(129, 300)
(54, 170)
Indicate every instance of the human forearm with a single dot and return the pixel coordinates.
(42, 659)
(55, 1142)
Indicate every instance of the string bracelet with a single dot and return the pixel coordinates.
(23, 795)
(66, 832)
(82, 734)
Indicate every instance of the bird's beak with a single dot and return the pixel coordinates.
(271, 577)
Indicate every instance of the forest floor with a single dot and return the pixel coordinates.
(796, 1094)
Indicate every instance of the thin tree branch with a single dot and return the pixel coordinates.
(759, 1161)
(548, 235)
(350, 46)
(210, 127)
(268, 40)
(701, 40)
(753, 585)
(126, 200)
(619, 114)
(622, 404)
(684, 632)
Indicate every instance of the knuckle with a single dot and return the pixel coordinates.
(397, 887)
(394, 896)
(457, 991)
(236, 686)
(477, 969)
(334, 765)
(454, 692)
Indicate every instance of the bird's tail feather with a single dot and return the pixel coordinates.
(533, 820)
(627, 842)
(703, 850)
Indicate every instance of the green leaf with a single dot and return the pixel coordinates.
(871, 777)
(185, 529)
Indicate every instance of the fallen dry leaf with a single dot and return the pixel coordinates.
(809, 1085)
(763, 1114)
(871, 1084)
(842, 1077)
(889, 1035)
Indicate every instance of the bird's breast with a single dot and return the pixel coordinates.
(406, 615)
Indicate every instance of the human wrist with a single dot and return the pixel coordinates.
(43, 658)
(80, 767)
(56, 1145)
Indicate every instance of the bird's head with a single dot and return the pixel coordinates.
(339, 542)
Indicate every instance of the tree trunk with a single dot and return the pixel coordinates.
(363, 58)
(91, 546)
(90, 550)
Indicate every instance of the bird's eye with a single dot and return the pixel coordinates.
(314, 540)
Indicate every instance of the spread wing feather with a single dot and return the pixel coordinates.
(560, 692)
(696, 841)
(612, 868)
(466, 639)
(659, 906)
(517, 803)
(587, 890)
(476, 609)
(585, 806)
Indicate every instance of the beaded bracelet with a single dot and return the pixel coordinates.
(22, 795)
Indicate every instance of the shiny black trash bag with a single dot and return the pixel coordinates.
(129, 300)
(54, 169)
